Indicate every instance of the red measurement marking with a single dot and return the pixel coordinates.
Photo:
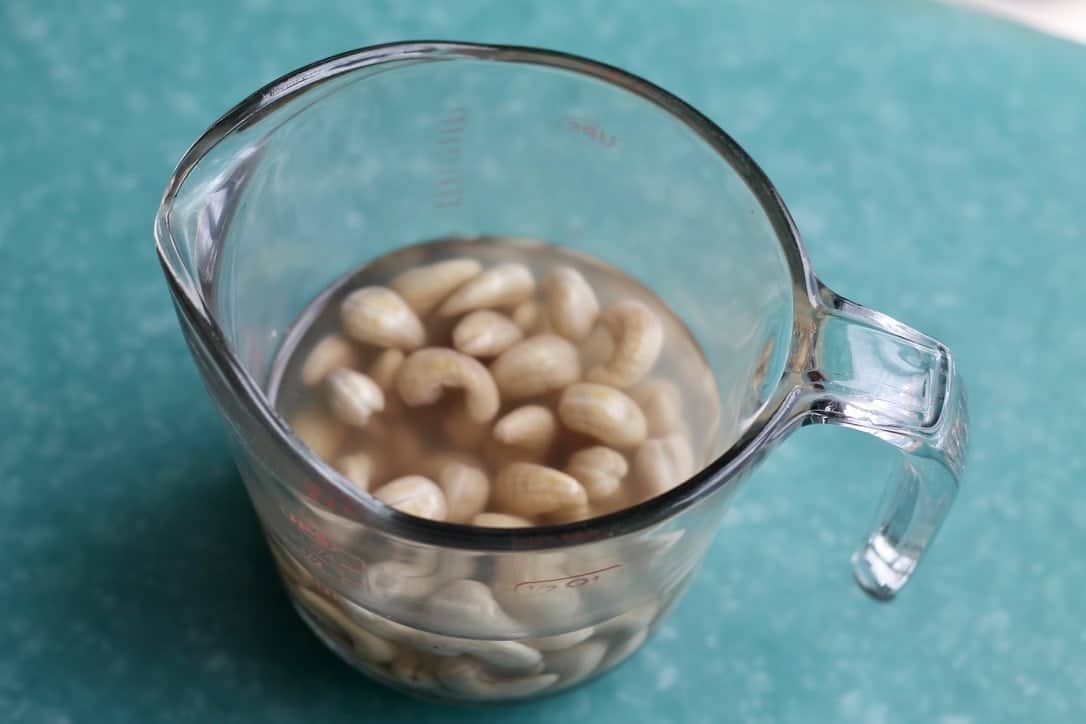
(547, 585)
(588, 128)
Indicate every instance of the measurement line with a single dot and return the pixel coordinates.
(567, 578)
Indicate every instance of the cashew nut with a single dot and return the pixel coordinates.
(636, 619)
(384, 368)
(358, 467)
(414, 495)
(368, 645)
(527, 315)
(638, 337)
(321, 432)
(411, 670)
(599, 469)
(396, 583)
(572, 307)
(558, 642)
(662, 463)
(661, 402)
(467, 676)
(503, 285)
(602, 412)
(572, 514)
(353, 397)
(466, 487)
(423, 287)
(577, 662)
(538, 365)
(500, 520)
(379, 316)
(468, 608)
(331, 353)
(528, 489)
(530, 429)
(485, 333)
(524, 585)
(425, 374)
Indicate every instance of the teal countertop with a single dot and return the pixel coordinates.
(934, 160)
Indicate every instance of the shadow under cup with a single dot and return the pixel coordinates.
(352, 158)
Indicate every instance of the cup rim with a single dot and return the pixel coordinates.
(773, 420)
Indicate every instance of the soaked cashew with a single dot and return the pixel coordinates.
(636, 619)
(524, 585)
(425, 374)
(500, 520)
(599, 469)
(485, 333)
(576, 662)
(602, 412)
(395, 583)
(358, 467)
(468, 608)
(530, 429)
(503, 285)
(353, 397)
(466, 487)
(384, 368)
(572, 307)
(527, 315)
(558, 642)
(528, 489)
(569, 515)
(661, 402)
(467, 676)
(411, 670)
(321, 432)
(331, 353)
(379, 316)
(638, 338)
(538, 365)
(368, 645)
(414, 495)
(425, 286)
(662, 463)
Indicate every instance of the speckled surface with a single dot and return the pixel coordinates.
(934, 161)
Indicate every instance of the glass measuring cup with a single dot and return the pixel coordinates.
(352, 157)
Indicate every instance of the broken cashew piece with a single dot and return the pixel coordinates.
(425, 286)
(638, 338)
(426, 373)
(379, 316)
(503, 285)
(572, 307)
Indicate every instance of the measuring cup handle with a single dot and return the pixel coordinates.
(869, 372)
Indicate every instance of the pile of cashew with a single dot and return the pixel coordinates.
(481, 396)
(458, 390)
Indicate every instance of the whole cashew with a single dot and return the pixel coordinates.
(353, 397)
(530, 429)
(599, 469)
(528, 489)
(414, 495)
(538, 365)
(485, 333)
(603, 413)
(379, 316)
(572, 307)
(661, 402)
(427, 372)
(466, 486)
(328, 355)
(425, 286)
(638, 337)
(503, 285)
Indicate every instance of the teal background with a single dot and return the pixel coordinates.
(934, 161)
